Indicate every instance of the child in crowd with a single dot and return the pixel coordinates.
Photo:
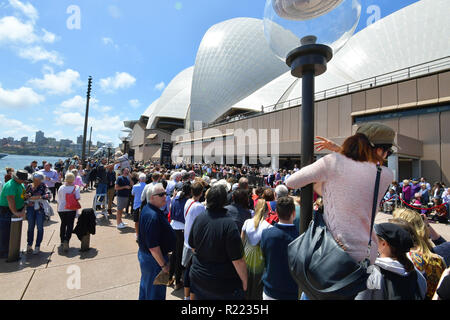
(440, 214)
(393, 277)
(277, 280)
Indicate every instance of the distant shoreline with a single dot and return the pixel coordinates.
(39, 154)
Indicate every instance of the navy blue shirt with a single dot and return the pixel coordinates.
(155, 231)
(277, 279)
(123, 181)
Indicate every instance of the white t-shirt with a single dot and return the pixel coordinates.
(254, 235)
(194, 211)
(63, 190)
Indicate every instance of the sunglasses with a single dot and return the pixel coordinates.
(162, 194)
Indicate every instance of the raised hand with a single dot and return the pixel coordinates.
(326, 144)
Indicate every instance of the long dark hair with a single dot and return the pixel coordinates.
(358, 148)
(186, 191)
(401, 256)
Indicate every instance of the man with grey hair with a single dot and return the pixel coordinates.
(281, 191)
(156, 239)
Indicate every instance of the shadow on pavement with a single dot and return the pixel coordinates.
(26, 261)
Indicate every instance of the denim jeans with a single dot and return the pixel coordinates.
(35, 219)
(149, 270)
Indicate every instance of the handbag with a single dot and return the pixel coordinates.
(321, 268)
(72, 202)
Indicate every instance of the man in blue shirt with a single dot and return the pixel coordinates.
(277, 280)
(156, 239)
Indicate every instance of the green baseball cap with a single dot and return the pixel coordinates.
(378, 134)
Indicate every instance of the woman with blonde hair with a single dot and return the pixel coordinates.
(422, 256)
(67, 213)
(251, 237)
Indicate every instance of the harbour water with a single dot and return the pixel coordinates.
(18, 162)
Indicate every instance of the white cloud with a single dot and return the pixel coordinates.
(12, 30)
(15, 128)
(121, 80)
(48, 37)
(160, 86)
(27, 9)
(135, 103)
(59, 83)
(38, 53)
(22, 97)
(75, 120)
(76, 102)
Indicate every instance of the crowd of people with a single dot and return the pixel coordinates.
(222, 232)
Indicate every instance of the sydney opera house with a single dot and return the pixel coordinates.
(395, 71)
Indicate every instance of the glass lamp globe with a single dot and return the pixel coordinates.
(126, 135)
(288, 24)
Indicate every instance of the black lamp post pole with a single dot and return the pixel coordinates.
(306, 62)
(86, 119)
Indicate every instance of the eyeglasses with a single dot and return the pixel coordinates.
(162, 194)
(390, 152)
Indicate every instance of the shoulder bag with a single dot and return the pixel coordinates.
(321, 268)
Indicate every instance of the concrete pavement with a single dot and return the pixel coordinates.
(108, 271)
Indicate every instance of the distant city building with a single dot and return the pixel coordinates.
(100, 144)
(24, 139)
(80, 140)
(65, 142)
(40, 138)
(51, 141)
(10, 140)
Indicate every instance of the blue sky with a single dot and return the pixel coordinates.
(131, 48)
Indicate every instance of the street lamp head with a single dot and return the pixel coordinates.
(289, 24)
(126, 135)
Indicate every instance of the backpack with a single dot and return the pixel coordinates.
(272, 216)
(397, 287)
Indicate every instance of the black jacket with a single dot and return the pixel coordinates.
(85, 224)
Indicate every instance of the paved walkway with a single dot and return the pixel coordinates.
(109, 271)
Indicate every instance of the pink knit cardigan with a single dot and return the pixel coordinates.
(347, 188)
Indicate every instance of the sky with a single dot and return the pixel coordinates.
(132, 49)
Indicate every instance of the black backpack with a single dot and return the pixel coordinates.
(397, 287)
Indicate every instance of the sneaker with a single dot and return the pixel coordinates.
(37, 250)
(29, 249)
(65, 246)
(121, 225)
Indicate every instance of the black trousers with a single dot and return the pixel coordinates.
(175, 259)
(53, 191)
(67, 221)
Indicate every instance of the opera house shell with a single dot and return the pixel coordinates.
(235, 72)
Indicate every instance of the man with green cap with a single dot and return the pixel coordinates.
(12, 205)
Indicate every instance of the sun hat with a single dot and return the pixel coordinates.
(378, 134)
(21, 175)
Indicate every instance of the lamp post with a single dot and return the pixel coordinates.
(126, 136)
(86, 119)
(305, 34)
